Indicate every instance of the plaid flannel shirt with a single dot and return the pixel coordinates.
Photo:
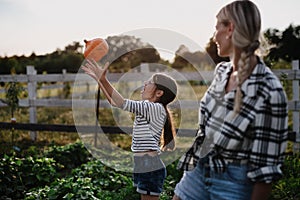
(258, 134)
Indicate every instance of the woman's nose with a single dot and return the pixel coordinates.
(214, 36)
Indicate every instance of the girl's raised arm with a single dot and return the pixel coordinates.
(99, 74)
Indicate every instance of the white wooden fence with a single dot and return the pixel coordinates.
(32, 78)
(295, 101)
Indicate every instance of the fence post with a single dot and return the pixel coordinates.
(31, 97)
(296, 115)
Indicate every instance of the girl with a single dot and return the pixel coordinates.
(243, 114)
(152, 130)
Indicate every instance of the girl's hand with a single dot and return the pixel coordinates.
(98, 73)
(94, 70)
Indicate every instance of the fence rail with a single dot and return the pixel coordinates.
(91, 129)
(31, 78)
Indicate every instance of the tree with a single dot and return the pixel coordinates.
(285, 44)
(186, 60)
(127, 52)
(76, 47)
(13, 64)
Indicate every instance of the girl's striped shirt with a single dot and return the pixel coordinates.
(148, 123)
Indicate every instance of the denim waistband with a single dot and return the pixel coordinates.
(219, 164)
(147, 163)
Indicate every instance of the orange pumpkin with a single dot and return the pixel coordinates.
(95, 49)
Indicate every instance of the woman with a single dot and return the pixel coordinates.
(242, 136)
(153, 128)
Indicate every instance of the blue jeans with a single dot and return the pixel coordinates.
(203, 183)
(149, 175)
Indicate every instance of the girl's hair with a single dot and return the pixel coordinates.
(169, 87)
(246, 19)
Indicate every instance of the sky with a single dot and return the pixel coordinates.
(43, 26)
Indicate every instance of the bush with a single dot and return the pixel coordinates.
(173, 177)
(288, 187)
(92, 180)
(70, 156)
(69, 172)
(20, 174)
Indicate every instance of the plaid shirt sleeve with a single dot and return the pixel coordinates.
(270, 139)
(190, 159)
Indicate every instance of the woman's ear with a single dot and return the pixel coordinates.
(230, 29)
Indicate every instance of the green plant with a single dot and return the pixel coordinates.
(70, 156)
(45, 177)
(288, 187)
(173, 177)
(66, 91)
(13, 92)
(92, 180)
(21, 174)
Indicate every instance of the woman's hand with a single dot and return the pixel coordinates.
(94, 70)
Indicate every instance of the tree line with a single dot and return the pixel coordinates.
(127, 52)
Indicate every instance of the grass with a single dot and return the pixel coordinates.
(20, 141)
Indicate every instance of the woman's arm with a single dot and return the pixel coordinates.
(261, 191)
(269, 141)
(99, 74)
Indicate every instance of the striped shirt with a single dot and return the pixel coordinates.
(257, 135)
(148, 123)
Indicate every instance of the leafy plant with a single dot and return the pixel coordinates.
(92, 180)
(13, 92)
(288, 187)
(33, 178)
(173, 177)
(20, 174)
(70, 156)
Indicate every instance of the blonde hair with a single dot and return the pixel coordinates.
(245, 17)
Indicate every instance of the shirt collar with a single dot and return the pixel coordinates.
(250, 85)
